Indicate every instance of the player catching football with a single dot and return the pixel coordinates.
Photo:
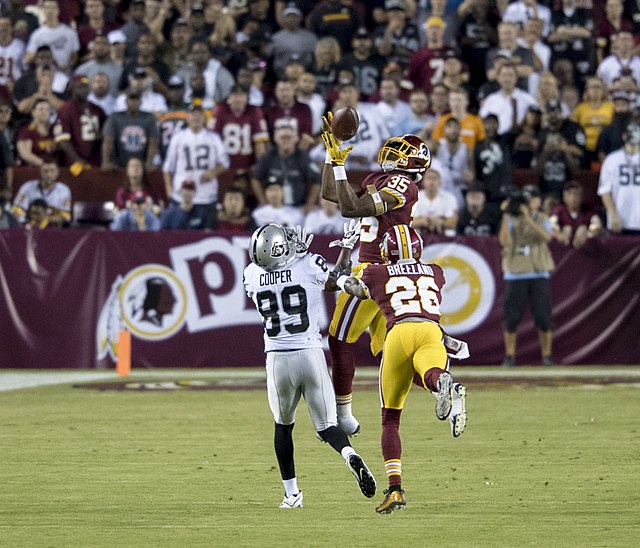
(382, 200)
(409, 292)
(286, 283)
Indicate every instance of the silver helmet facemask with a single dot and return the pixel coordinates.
(271, 247)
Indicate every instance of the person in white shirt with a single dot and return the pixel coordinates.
(621, 63)
(100, 93)
(509, 103)
(619, 185)
(11, 52)
(152, 102)
(306, 93)
(286, 284)
(522, 11)
(436, 210)
(195, 154)
(325, 219)
(275, 211)
(390, 107)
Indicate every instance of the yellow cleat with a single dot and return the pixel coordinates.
(393, 501)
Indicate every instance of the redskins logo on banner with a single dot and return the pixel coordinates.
(150, 302)
(470, 290)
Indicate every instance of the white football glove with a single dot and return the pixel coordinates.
(351, 235)
(300, 239)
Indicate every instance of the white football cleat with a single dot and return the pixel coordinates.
(458, 416)
(444, 396)
(292, 501)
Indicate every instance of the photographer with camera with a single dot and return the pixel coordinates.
(525, 233)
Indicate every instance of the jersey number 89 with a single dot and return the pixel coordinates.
(292, 301)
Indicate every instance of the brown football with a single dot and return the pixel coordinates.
(345, 123)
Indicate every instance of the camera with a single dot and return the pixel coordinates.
(515, 198)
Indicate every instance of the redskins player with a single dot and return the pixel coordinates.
(409, 293)
(382, 200)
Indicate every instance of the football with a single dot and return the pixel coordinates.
(345, 123)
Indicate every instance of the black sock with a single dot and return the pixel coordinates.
(335, 437)
(283, 443)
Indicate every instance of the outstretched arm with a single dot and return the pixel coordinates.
(343, 264)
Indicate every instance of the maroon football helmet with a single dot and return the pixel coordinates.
(400, 242)
(406, 153)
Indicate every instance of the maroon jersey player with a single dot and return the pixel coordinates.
(243, 129)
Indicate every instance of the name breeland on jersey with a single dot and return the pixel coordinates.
(411, 268)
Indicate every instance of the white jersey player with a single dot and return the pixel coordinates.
(286, 284)
(55, 193)
(195, 154)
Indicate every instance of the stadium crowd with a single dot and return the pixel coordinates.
(222, 101)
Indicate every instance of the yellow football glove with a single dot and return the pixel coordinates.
(77, 167)
(332, 144)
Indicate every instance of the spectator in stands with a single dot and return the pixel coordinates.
(292, 39)
(509, 104)
(287, 111)
(549, 90)
(436, 210)
(291, 167)
(37, 215)
(527, 264)
(522, 58)
(419, 122)
(526, 144)
(56, 194)
(333, 18)
(134, 28)
(610, 137)
(185, 215)
(243, 130)
(7, 150)
(455, 76)
(246, 77)
(522, 11)
(136, 180)
(325, 219)
(306, 94)
(100, 61)
(36, 140)
(572, 37)
(595, 112)
(42, 82)
(570, 96)
(7, 220)
(618, 186)
(365, 63)
(457, 157)
(61, 38)
(393, 71)
(471, 126)
(391, 108)
(621, 63)
(95, 25)
(117, 49)
(12, 53)
(128, 134)
(99, 94)
(477, 34)
(326, 63)
(426, 61)
(275, 210)
(175, 53)
(24, 22)
(223, 33)
(531, 38)
(439, 100)
(233, 214)
(175, 118)
(147, 59)
(614, 21)
(399, 39)
(198, 27)
(150, 101)
(78, 129)
(137, 216)
(218, 80)
(490, 83)
(477, 218)
(492, 161)
(572, 223)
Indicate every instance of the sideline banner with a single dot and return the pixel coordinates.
(65, 294)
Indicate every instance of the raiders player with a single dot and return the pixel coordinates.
(286, 283)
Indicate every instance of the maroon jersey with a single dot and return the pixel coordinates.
(81, 124)
(239, 132)
(566, 219)
(42, 145)
(403, 290)
(373, 228)
(426, 67)
(298, 117)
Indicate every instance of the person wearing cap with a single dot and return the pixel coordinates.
(117, 48)
(101, 61)
(619, 183)
(365, 62)
(476, 217)
(572, 222)
(185, 215)
(525, 233)
(195, 154)
(95, 25)
(147, 58)
(78, 129)
(425, 61)
(399, 37)
(62, 39)
(245, 77)
(129, 133)
(176, 116)
(292, 38)
(150, 101)
(569, 130)
(137, 216)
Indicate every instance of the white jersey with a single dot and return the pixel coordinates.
(191, 154)
(285, 215)
(620, 176)
(62, 40)
(150, 101)
(289, 301)
(444, 204)
(611, 67)
(58, 197)
(11, 61)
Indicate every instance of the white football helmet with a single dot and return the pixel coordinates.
(271, 247)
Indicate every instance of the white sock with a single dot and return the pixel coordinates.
(291, 486)
(347, 451)
(344, 410)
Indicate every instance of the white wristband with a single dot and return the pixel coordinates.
(327, 158)
(339, 173)
(341, 281)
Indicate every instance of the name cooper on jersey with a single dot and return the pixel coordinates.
(276, 277)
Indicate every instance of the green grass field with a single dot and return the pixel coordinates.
(537, 466)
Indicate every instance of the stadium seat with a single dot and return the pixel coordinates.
(93, 214)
